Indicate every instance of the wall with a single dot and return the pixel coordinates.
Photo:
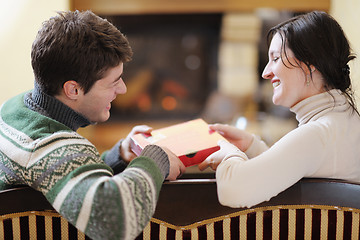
(19, 23)
(346, 12)
(20, 20)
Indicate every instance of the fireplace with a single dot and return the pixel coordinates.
(196, 65)
(174, 66)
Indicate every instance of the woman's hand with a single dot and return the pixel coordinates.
(125, 148)
(214, 159)
(238, 137)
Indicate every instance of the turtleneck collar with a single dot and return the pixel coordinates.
(314, 107)
(49, 106)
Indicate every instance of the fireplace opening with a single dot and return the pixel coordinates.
(174, 66)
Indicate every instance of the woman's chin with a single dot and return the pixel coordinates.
(275, 100)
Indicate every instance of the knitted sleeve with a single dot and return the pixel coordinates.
(83, 189)
(257, 147)
(298, 154)
(113, 159)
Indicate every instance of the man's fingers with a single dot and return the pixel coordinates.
(141, 129)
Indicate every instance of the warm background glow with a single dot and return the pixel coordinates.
(347, 14)
(19, 23)
(20, 20)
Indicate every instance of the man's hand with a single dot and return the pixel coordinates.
(177, 168)
(125, 149)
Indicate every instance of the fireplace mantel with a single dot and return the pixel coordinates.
(116, 7)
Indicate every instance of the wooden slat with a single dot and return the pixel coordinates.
(114, 7)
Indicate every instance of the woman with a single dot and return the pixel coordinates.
(308, 68)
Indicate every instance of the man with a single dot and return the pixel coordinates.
(78, 58)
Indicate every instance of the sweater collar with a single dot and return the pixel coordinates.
(49, 106)
(314, 107)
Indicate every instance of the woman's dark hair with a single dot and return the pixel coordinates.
(77, 46)
(317, 39)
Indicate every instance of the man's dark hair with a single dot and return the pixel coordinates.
(79, 46)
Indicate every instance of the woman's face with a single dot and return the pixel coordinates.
(289, 81)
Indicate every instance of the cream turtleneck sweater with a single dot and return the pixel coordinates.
(325, 145)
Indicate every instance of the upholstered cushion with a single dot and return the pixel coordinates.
(37, 225)
(311, 209)
(273, 222)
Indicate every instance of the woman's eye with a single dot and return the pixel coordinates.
(275, 59)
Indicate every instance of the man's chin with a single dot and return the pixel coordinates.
(102, 119)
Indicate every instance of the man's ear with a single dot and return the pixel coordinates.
(71, 89)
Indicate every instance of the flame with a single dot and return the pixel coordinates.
(169, 103)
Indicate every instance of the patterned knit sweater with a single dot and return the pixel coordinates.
(41, 149)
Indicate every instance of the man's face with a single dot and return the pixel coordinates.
(95, 105)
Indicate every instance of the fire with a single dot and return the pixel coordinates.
(169, 103)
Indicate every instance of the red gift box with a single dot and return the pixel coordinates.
(191, 141)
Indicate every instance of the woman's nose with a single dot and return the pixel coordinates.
(267, 73)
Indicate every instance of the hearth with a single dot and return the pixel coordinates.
(174, 66)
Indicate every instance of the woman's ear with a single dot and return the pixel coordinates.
(312, 68)
(71, 89)
(308, 70)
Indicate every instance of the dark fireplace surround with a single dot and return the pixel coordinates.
(174, 66)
